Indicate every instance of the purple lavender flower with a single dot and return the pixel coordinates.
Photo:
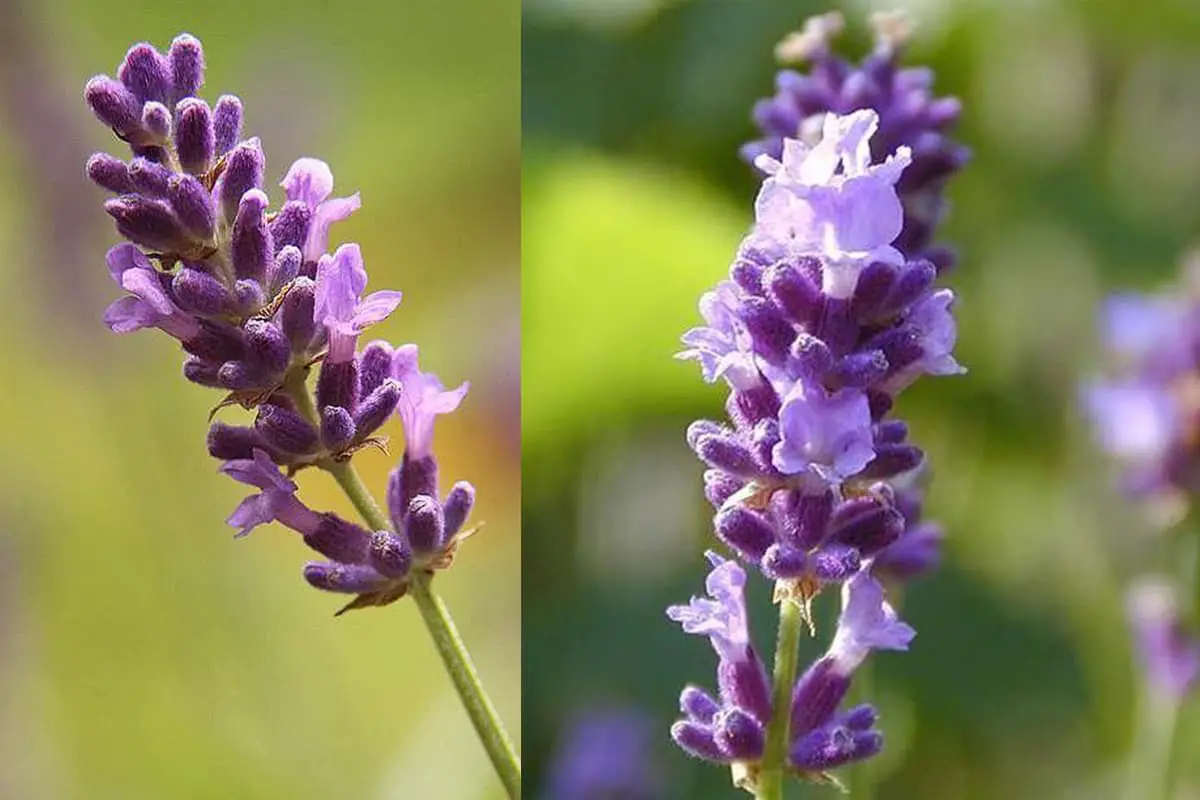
(605, 755)
(255, 301)
(1168, 652)
(909, 115)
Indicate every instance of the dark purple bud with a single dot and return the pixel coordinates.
(739, 735)
(339, 540)
(227, 123)
(747, 407)
(784, 562)
(762, 443)
(803, 518)
(230, 442)
(892, 460)
(834, 746)
(902, 346)
(745, 531)
(216, 343)
(109, 173)
(200, 293)
(337, 383)
(860, 370)
(285, 430)
(719, 486)
(202, 372)
(187, 66)
(772, 334)
(458, 507)
(376, 407)
(296, 314)
(749, 276)
(879, 402)
(698, 705)
(413, 477)
(860, 91)
(834, 562)
(793, 293)
(149, 178)
(860, 718)
(744, 683)
(424, 524)
(149, 223)
(816, 697)
(893, 431)
(942, 258)
(337, 428)
(813, 358)
(156, 119)
(251, 245)
(722, 451)
(193, 205)
(871, 530)
(374, 365)
(114, 105)
(194, 136)
(697, 740)
(345, 578)
(244, 169)
(290, 226)
(238, 375)
(284, 269)
(874, 285)
(916, 552)
(250, 296)
(389, 554)
(267, 346)
(916, 278)
(146, 74)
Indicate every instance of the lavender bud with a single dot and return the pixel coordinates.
(149, 178)
(194, 142)
(784, 562)
(267, 346)
(285, 430)
(861, 718)
(114, 105)
(109, 173)
(376, 407)
(251, 246)
(803, 518)
(816, 697)
(458, 507)
(296, 314)
(243, 172)
(345, 578)
(697, 740)
(200, 293)
(698, 705)
(738, 734)
(892, 460)
(916, 278)
(337, 428)
(874, 285)
(230, 442)
(193, 205)
(284, 269)
(719, 486)
(835, 562)
(771, 332)
(871, 531)
(390, 555)
(148, 223)
(227, 123)
(339, 540)
(250, 297)
(726, 453)
(216, 342)
(793, 293)
(813, 357)
(187, 66)
(860, 370)
(238, 375)
(424, 524)
(337, 384)
(146, 74)
(833, 746)
(156, 119)
(893, 431)
(374, 365)
(414, 476)
(745, 531)
(290, 225)
(743, 683)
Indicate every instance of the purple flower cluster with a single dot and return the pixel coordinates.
(1145, 415)
(829, 312)
(910, 116)
(255, 300)
(605, 754)
(732, 727)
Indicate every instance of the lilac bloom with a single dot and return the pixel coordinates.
(422, 399)
(149, 306)
(276, 501)
(723, 347)
(826, 435)
(339, 305)
(867, 623)
(311, 181)
(1170, 656)
(829, 199)
(1134, 421)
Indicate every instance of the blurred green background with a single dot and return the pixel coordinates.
(1083, 118)
(143, 652)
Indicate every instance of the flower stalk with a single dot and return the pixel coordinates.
(787, 647)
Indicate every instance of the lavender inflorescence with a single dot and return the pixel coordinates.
(256, 301)
(829, 312)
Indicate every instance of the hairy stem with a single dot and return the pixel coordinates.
(434, 614)
(774, 763)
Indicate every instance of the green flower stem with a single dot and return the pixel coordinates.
(1150, 767)
(435, 615)
(774, 764)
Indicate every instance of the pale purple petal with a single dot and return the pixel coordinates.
(422, 399)
(309, 180)
(721, 616)
(827, 434)
(867, 623)
(1134, 325)
(129, 314)
(325, 215)
(341, 279)
(1170, 656)
(124, 257)
(1133, 420)
(375, 307)
(145, 284)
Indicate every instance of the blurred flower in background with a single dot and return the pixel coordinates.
(605, 754)
(146, 653)
(1079, 181)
